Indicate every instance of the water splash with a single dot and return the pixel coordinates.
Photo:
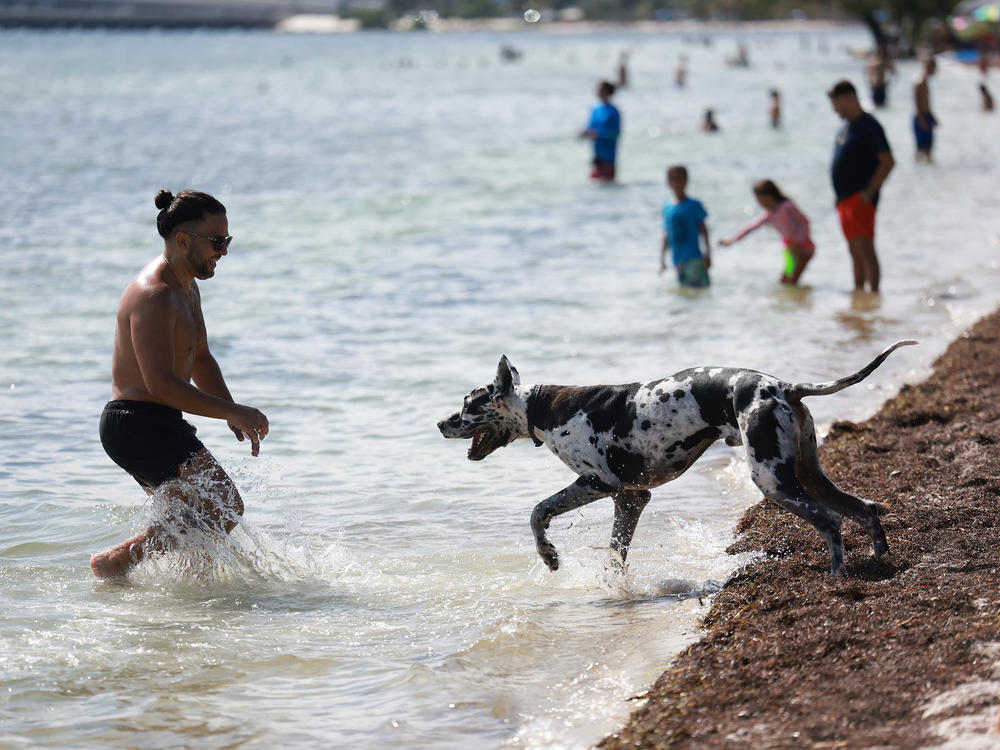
(190, 523)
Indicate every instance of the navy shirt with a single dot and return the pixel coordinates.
(855, 156)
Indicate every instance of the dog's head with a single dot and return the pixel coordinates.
(486, 416)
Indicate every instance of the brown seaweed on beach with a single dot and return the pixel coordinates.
(793, 658)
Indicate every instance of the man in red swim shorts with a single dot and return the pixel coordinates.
(861, 163)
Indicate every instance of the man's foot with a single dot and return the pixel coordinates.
(117, 561)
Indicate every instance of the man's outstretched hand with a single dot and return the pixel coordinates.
(250, 424)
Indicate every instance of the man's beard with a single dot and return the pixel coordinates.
(202, 270)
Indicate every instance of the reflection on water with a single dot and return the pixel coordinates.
(862, 316)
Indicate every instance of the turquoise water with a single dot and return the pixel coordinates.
(407, 209)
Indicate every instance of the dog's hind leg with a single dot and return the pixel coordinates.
(584, 490)
(628, 507)
(793, 497)
(771, 440)
(811, 474)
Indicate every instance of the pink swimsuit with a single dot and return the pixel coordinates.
(787, 219)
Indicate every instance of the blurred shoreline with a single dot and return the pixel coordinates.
(312, 16)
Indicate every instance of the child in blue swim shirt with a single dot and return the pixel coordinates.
(683, 227)
(603, 129)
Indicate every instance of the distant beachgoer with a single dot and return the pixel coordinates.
(510, 53)
(861, 163)
(603, 129)
(781, 213)
(879, 68)
(680, 72)
(684, 227)
(708, 123)
(160, 347)
(987, 98)
(775, 109)
(924, 121)
(623, 70)
(741, 59)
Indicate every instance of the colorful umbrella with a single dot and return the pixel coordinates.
(976, 19)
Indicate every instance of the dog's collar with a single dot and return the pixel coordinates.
(530, 414)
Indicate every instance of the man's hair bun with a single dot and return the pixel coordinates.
(163, 199)
(185, 207)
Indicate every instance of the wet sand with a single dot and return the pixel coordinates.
(905, 651)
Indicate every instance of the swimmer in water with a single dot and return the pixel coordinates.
(708, 123)
(924, 121)
(782, 214)
(603, 129)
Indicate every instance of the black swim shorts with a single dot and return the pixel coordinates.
(150, 441)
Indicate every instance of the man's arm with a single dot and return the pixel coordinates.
(885, 165)
(708, 245)
(663, 251)
(207, 375)
(152, 328)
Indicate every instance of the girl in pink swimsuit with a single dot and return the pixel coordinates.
(781, 213)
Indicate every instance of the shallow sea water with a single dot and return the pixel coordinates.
(407, 209)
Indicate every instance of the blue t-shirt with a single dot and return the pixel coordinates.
(855, 156)
(683, 221)
(606, 122)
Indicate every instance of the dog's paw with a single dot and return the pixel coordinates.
(615, 564)
(549, 556)
(881, 547)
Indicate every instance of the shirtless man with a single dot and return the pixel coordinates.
(924, 121)
(775, 108)
(879, 68)
(161, 346)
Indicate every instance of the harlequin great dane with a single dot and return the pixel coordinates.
(623, 440)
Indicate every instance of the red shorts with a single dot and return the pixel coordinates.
(603, 170)
(857, 217)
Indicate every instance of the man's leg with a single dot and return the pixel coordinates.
(118, 560)
(872, 271)
(203, 496)
(857, 262)
(207, 491)
(866, 267)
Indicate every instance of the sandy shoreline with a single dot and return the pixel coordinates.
(904, 652)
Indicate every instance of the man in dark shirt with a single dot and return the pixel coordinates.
(861, 163)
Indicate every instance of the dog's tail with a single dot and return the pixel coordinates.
(800, 390)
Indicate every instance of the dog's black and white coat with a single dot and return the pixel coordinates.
(623, 440)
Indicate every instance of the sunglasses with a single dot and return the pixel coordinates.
(219, 243)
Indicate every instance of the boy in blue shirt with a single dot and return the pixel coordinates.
(683, 225)
(603, 129)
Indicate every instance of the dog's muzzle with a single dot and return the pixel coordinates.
(452, 427)
(484, 440)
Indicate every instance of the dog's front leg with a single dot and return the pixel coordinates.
(584, 490)
(628, 508)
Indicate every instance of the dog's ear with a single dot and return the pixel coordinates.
(507, 378)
